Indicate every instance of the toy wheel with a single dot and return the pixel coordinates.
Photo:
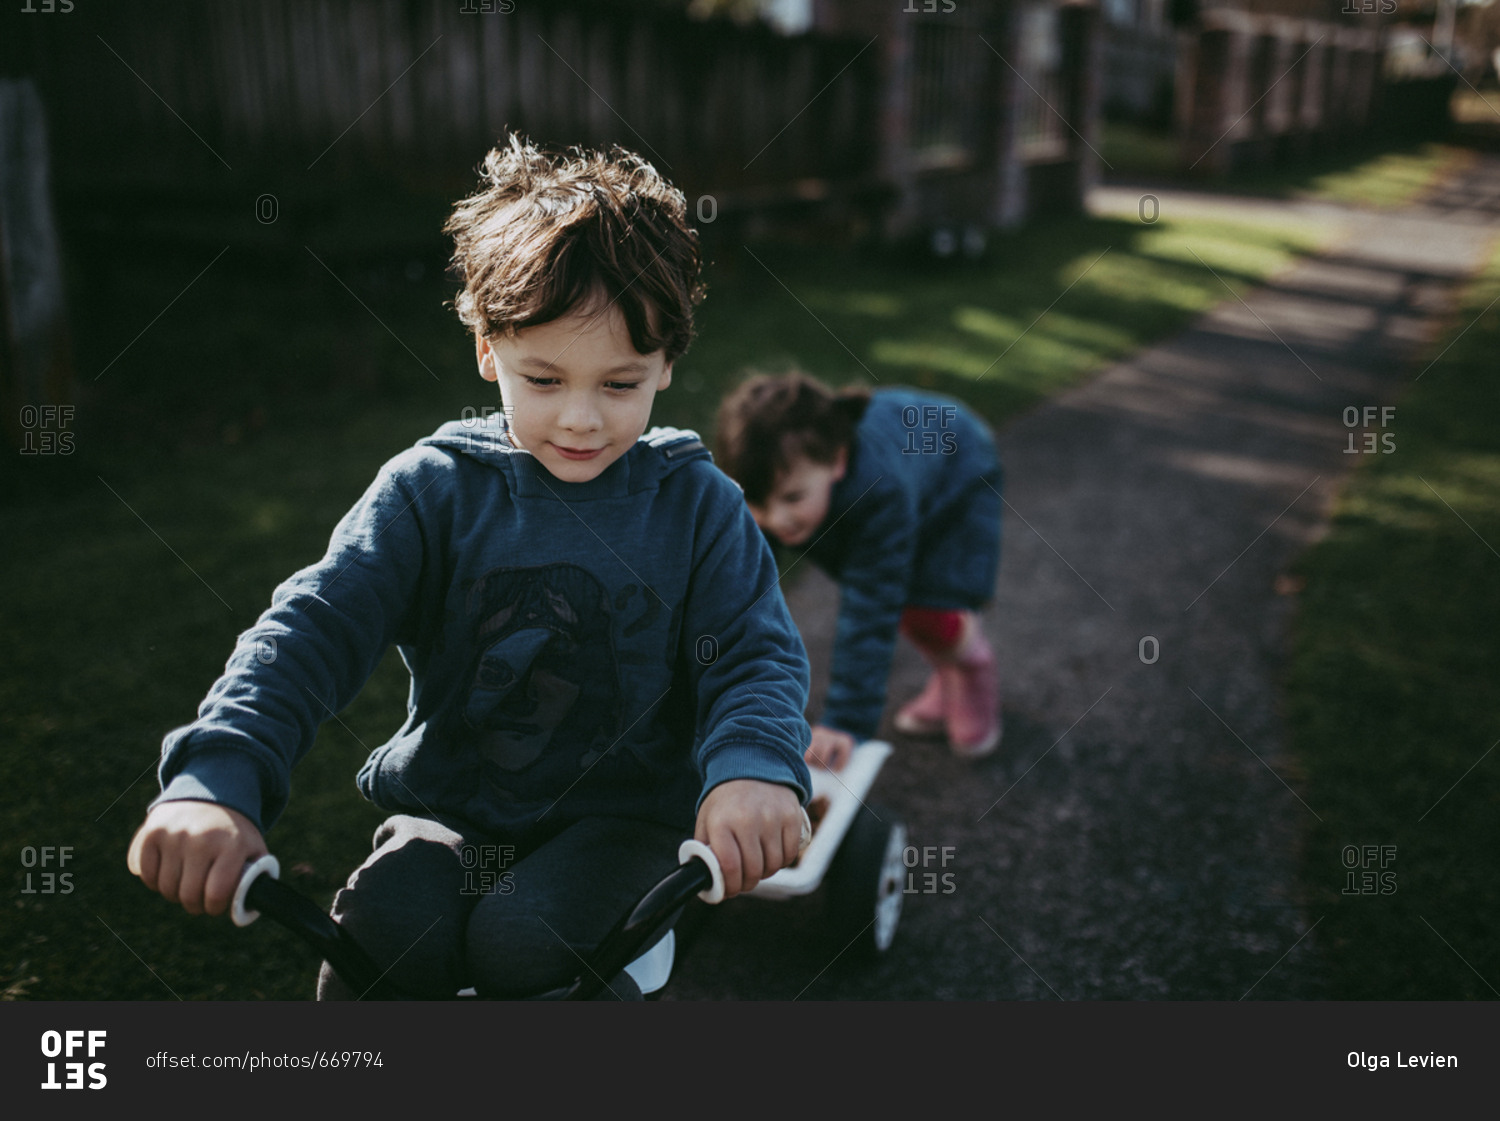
(864, 884)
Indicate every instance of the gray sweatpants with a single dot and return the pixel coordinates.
(446, 910)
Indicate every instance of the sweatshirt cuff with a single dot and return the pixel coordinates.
(224, 777)
(754, 761)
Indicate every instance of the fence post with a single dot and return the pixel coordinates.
(36, 365)
(1286, 76)
(1337, 108)
(1362, 74)
(1314, 79)
(1260, 91)
(1205, 93)
(896, 165)
(1009, 196)
(1082, 58)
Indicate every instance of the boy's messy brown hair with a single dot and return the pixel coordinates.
(772, 419)
(550, 233)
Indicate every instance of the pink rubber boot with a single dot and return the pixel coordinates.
(971, 695)
(937, 634)
(925, 715)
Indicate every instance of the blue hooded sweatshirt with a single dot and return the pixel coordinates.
(614, 647)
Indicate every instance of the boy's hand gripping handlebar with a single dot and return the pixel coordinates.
(714, 893)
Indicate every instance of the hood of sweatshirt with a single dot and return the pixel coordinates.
(656, 454)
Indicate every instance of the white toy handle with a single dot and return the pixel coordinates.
(268, 865)
(715, 893)
(689, 849)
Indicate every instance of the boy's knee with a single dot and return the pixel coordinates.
(512, 956)
(402, 828)
(404, 906)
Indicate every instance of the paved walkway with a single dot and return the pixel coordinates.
(1137, 834)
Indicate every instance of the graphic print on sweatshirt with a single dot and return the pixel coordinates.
(544, 688)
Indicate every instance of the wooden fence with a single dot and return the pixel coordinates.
(341, 83)
(1255, 90)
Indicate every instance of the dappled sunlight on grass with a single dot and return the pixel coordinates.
(1244, 250)
(1391, 179)
(988, 324)
(876, 305)
(1355, 176)
(1465, 487)
(1057, 302)
(1107, 338)
(941, 357)
(1174, 287)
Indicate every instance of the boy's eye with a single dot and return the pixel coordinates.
(621, 385)
(792, 498)
(542, 382)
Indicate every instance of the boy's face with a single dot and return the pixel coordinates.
(798, 501)
(578, 393)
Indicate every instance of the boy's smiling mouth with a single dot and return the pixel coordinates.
(576, 453)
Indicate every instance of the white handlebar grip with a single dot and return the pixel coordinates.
(237, 911)
(807, 832)
(689, 849)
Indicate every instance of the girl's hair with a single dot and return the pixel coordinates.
(772, 419)
(551, 233)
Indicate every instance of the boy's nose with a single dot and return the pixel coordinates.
(579, 414)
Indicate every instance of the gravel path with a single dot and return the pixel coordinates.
(1136, 835)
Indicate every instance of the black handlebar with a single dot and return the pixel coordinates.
(636, 931)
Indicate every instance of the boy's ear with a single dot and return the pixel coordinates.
(840, 464)
(666, 377)
(485, 357)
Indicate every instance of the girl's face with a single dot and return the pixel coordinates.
(798, 502)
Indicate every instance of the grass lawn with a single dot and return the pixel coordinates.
(1394, 690)
(1128, 148)
(1388, 179)
(239, 386)
(1354, 176)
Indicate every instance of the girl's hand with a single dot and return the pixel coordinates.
(830, 748)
